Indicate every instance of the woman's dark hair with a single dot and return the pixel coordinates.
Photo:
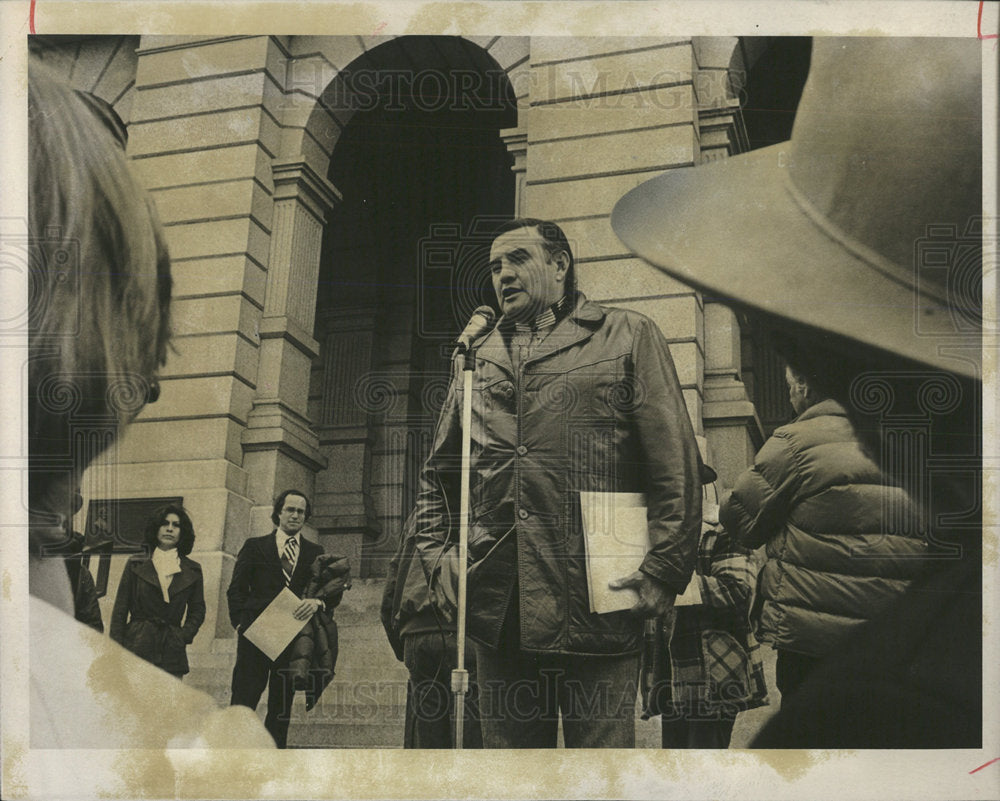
(279, 504)
(186, 542)
(554, 241)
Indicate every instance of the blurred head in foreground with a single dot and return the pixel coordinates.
(99, 293)
(857, 245)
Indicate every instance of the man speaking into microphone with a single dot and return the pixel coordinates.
(568, 396)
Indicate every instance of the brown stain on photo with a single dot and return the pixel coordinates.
(792, 764)
(14, 783)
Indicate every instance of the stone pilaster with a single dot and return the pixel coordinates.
(516, 142)
(731, 426)
(280, 445)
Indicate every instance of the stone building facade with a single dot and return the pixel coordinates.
(325, 201)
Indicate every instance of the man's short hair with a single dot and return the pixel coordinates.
(279, 504)
(554, 241)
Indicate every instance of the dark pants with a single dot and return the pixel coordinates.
(791, 669)
(252, 672)
(430, 704)
(696, 733)
(522, 695)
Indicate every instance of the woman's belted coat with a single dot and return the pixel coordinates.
(151, 628)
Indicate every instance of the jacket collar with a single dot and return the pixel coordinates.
(147, 572)
(575, 327)
(821, 409)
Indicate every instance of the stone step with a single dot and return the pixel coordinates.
(340, 735)
(364, 706)
(210, 660)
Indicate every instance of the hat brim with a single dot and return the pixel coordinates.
(733, 229)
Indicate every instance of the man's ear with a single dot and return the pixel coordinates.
(561, 259)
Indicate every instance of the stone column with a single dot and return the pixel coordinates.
(280, 445)
(731, 426)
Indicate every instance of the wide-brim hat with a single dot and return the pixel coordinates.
(865, 226)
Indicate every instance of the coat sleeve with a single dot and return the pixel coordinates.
(758, 506)
(88, 609)
(123, 599)
(332, 591)
(437, 506)
(386, 611)
(670, 460)
(195, 614)
(733, 574)
(239, 585)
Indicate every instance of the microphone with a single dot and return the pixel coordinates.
(480, 322)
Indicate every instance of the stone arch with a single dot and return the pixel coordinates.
(317, 75)
(327, 81)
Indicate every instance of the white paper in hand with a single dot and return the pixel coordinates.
(616, 539)
(276, 626)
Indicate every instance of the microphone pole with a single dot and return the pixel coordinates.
(482, 319)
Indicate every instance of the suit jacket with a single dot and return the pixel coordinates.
(258, 577)
(150, 627)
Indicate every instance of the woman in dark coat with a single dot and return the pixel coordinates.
(161, 601)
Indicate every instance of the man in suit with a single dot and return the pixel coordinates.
(265, 566)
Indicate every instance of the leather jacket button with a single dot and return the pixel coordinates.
(522, 513)
(521, 450)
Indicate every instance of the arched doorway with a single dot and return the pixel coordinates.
(420, 165)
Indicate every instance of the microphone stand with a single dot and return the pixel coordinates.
(460, 676)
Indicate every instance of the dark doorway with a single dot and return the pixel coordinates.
(420, 165)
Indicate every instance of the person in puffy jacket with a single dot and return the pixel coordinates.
(160, 603)
(861, 257)
(823, 509)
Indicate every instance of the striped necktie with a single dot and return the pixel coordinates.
(288, 558)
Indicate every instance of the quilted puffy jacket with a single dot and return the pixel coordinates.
(597, 406)
(839, 550)
(312, 655)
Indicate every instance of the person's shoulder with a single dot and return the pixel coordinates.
(824, 424)
(627, 322)
(824, 418)
(190, 564)
(256, 543)
(308, 546)
(133, 704)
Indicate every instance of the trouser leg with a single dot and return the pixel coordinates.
(517, 700)
(429, 657)
(791, 669)
(280, 692)
(597, 697)
(250, 674)
(685, 733)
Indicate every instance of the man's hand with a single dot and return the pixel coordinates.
(654, 599)
(308, 608)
